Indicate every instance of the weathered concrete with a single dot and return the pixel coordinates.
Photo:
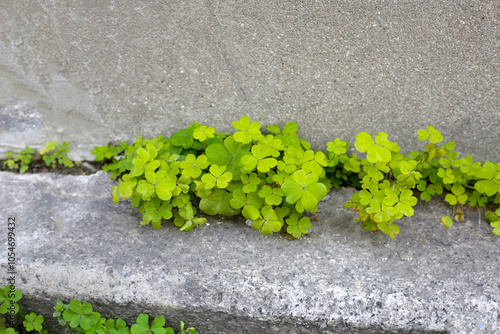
(225, 277)
(93, 72)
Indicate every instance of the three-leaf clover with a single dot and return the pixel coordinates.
(250, 182)
(118, 327)
(304, 188)
(258, 158)
(378, 150)
(142, 326)
(297, 227)
(457, 196)
(8, 297)
(432, 134)
(192, 166)
(203, 132)
(33, 321)
(155, 210)
(217, 177)
(272, 144)
(159, 183)
(404, 204)
(80, 314)
(272, 196)
(337, 146)
(313, 162)
(269, 222)
(141, 163)
(247, 131)
(248, 203)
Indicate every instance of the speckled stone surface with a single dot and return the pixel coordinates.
(225, 277)
(100, 71)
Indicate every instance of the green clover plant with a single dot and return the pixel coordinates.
(24, 158)
(54, 154)
(273, 179)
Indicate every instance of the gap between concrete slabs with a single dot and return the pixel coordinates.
(225, 277)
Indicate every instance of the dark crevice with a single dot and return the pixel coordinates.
(38, 167)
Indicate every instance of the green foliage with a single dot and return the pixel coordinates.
(390, 181)
(9, 297)
(257, 175)
(274, 179)
(54, 154)
(79, 318)
(33, 322)
(22, 160)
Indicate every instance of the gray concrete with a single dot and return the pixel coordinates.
(225, 277)
(93, 72)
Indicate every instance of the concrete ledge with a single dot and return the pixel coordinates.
(73, 242)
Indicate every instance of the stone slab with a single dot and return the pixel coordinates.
(225, 277)
(92, 72)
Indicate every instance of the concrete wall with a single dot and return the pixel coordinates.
(97, 71)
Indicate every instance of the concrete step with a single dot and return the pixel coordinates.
(225, 277)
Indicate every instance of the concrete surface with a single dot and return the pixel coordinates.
(92, 72)
(225, 277)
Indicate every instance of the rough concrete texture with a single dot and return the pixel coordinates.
(225, 277)
(93, 72)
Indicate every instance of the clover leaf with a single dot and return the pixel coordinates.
(80, 314)
(432, 134)
(378, 150)
(337, 146)
(258, 159)
(203, 132)
(305, 189)
(228, 154)
(184, 137)
(489, 182)
(446, 221)
(141, 163)
(159, 183)
(155, 211)
(272, 196)
(477, 199)
(408, 176)
(269, 222)
(193, 166)
(248, 131)
(118, 327)
(142, 325)
(248, 203)
(217, 177)
(288, 164)
(218, 203)
(406, 202)
(272, 144)
(389, 229)
(447, 175)
(457, 196)
(8, 296)
(250, 182)
(126, 186)
(298, 227)
(313, 162)
(33, 321)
